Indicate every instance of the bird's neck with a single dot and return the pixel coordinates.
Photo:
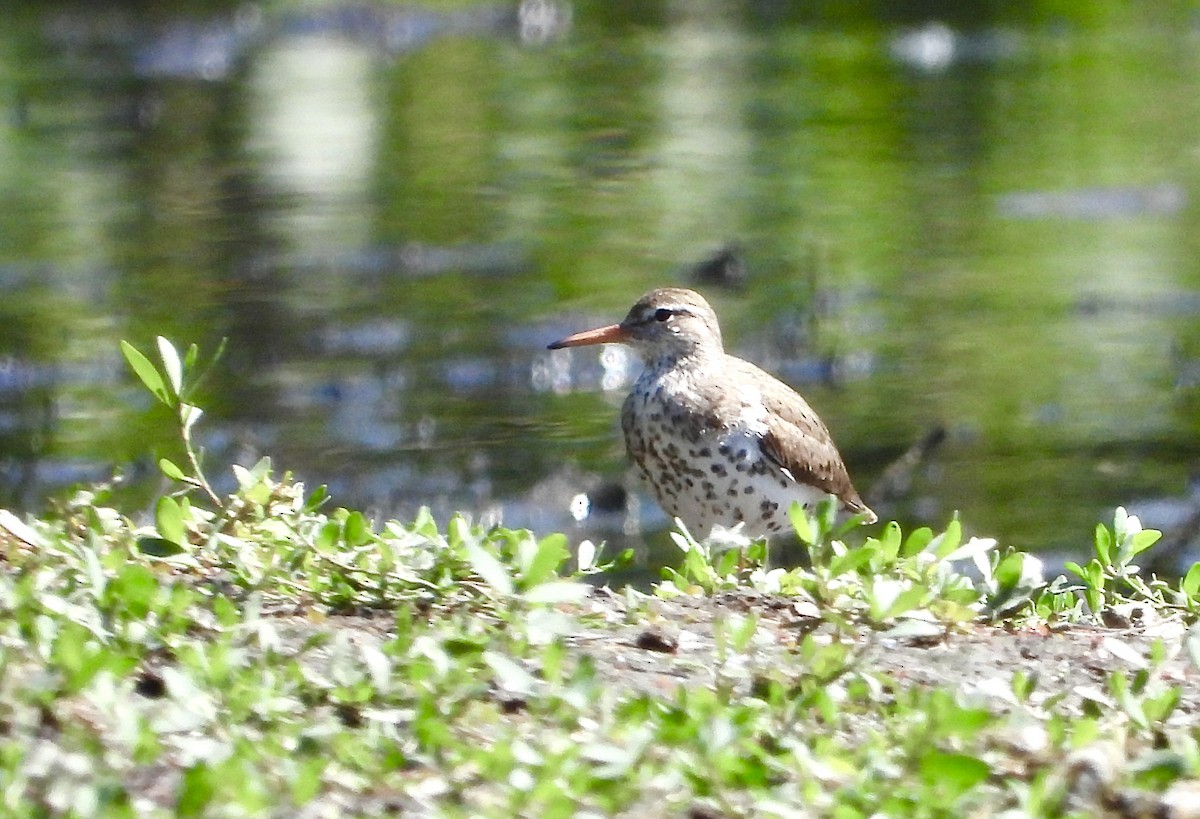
(692, 359)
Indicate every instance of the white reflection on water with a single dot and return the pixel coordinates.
(705, 141)
(551, 373)
(620, 367)
(315, 129)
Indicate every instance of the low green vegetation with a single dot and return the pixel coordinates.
(261, 655)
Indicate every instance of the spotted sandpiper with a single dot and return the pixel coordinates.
(718, 440)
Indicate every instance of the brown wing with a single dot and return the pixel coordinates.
(798, 441)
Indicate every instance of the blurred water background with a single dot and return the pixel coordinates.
(969, 224)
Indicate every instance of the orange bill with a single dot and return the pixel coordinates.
(611, 334)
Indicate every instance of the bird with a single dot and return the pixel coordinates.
(719, 441)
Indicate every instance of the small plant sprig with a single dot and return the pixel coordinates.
(914, 582)
(891, 581)
(886, 580)
(716, 563)
(267, 533)
(1112, 569)
(174, 383)
(1111, 577)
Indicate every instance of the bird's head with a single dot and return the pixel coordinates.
(667, 323)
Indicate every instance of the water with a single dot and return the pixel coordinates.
(982, 224)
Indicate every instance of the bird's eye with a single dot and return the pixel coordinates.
(662, 314)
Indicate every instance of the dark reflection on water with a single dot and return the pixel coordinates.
(925, 219)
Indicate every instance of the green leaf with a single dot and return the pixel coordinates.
(489, 569)
(159, 547)
(197, 380)
(758, 553)
(696, 568)
(169, 468)
(888, 597)
(424, 524)
(254, 483)
(1118, 684)
(1190, 585)
(458, 532)
(146, 371)
(917, 540)
(1143, 540)
(852, 560)
(551, 553)
(168, 518)
(1008, 572)
(891, 541)
(1103, 543)
(947, 541)
(74, 651)
(1023, 684)
(742, 631)
(954, 774)
(171, 365)
(135, 588)
(196, 789)
(726, 563)
(801, 522)
(1158, 769)
(317, 498)
(259, 472)
(1075, 569)
(328, 536)
(1158, 708)
(826, 514)
(309, 779)
(357, 530)
(906, 601)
